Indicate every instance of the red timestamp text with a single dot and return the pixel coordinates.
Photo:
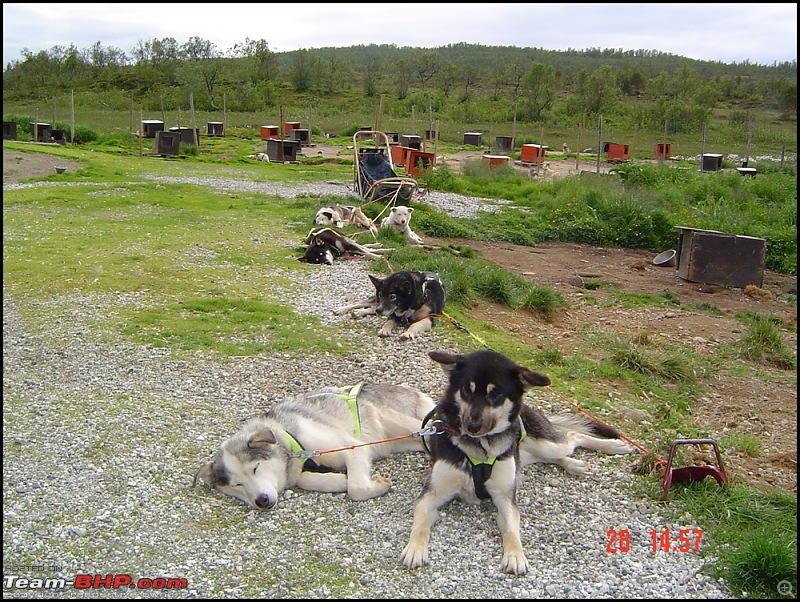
(687, 540)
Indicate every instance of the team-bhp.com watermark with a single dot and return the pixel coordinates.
(85, 581)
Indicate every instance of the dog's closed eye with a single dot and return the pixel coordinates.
(255, 468)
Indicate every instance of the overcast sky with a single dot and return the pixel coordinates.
(760, 33)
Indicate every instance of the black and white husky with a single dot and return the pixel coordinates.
(408, 299)
(272, 451)
(489, 433)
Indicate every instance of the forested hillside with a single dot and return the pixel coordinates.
(459, 82)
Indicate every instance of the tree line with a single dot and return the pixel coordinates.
(461, 82)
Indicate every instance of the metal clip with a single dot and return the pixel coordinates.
(435, 428)
(305, 454)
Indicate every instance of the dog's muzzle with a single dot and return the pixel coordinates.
(264, 502)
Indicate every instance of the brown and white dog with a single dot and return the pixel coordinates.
(344, 215)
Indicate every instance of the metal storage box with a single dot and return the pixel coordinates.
(712, 257)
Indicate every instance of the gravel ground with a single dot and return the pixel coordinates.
(101, 443)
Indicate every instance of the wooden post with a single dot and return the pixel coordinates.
(141, 133)
(379, 114)
(223, 113)
(36, 126)
(71, 117)
(749, 140)
(665, 142)
(54, 112)
(130, 128)
(541, 147)
(702, 146)
(581, 129)
(282, 127)
(161, 104)
(599, 140)
(195, 133)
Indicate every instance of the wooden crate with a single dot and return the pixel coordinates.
(713, 257)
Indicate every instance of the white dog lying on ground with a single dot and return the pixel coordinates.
(400, 219)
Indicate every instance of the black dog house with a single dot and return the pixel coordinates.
(431, 135)
(411, 141)
(216, 128)
(711, 162)
(394, 137)
(9, 130)
(168, 143)
(58, 136)
(712, 257)
(280, 151)
(40, 132)
(301, 135)
(150, 127)
(473, 138)
(504, 143)
(187, 135)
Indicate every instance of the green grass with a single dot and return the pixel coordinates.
(752, 533)
(187, 269)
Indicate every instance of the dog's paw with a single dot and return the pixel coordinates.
(386, 331)
(376, 487)
(577, 468)
(414, 556)
(408, 336)
(618, 446)
(514, 563)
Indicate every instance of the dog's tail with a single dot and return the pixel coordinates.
(583, 424)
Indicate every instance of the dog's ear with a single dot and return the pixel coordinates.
(530, 378)
(262, 438)
(410, 210)
(446, 360)
(204, 473)
(376, 281)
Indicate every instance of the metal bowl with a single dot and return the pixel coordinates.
(665, 259)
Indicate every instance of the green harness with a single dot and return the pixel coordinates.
(350, 396)
(482, 469)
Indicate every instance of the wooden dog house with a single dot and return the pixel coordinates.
(281, 151)
(400, 155)
(416, 161)
(216, 128)
(473, 138)
(504, 143)
(663, 151)
(151, 126)
(711, 162)
(411, 141)
(288, 126)
(270, 131)
(532, 153)
(493, 161)
(713, 257)
(616, 152)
